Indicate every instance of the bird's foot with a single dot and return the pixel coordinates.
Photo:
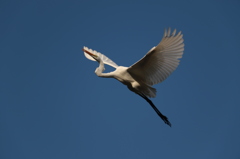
(165, 119)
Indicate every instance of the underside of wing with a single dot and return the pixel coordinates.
(160, 61)
(104, 58)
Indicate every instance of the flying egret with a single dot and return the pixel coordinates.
(153, 68)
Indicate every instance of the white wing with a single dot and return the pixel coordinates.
(104, 58)
(160, 61)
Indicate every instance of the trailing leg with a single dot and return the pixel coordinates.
(163, 117)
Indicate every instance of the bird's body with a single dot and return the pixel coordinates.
(122, 75)
(153, 68)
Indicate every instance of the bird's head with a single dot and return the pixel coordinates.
(96, 57)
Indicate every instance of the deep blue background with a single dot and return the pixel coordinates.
(53, 106)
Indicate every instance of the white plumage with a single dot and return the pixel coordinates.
(153, 68)
(104, 58)
(160, 61)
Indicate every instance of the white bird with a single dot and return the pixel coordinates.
(153, 68)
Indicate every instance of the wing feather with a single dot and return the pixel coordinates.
(161, 60)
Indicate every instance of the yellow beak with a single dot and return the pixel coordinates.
(89, 53)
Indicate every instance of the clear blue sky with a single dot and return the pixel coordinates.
(53, 106)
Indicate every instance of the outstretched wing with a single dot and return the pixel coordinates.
(104, 58)
(161, 60)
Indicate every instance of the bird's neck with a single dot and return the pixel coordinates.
(100, 69)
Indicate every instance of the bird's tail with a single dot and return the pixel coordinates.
(148, 91)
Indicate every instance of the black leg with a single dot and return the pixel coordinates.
(164, 118)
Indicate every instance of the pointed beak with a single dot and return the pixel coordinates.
(89, 53)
